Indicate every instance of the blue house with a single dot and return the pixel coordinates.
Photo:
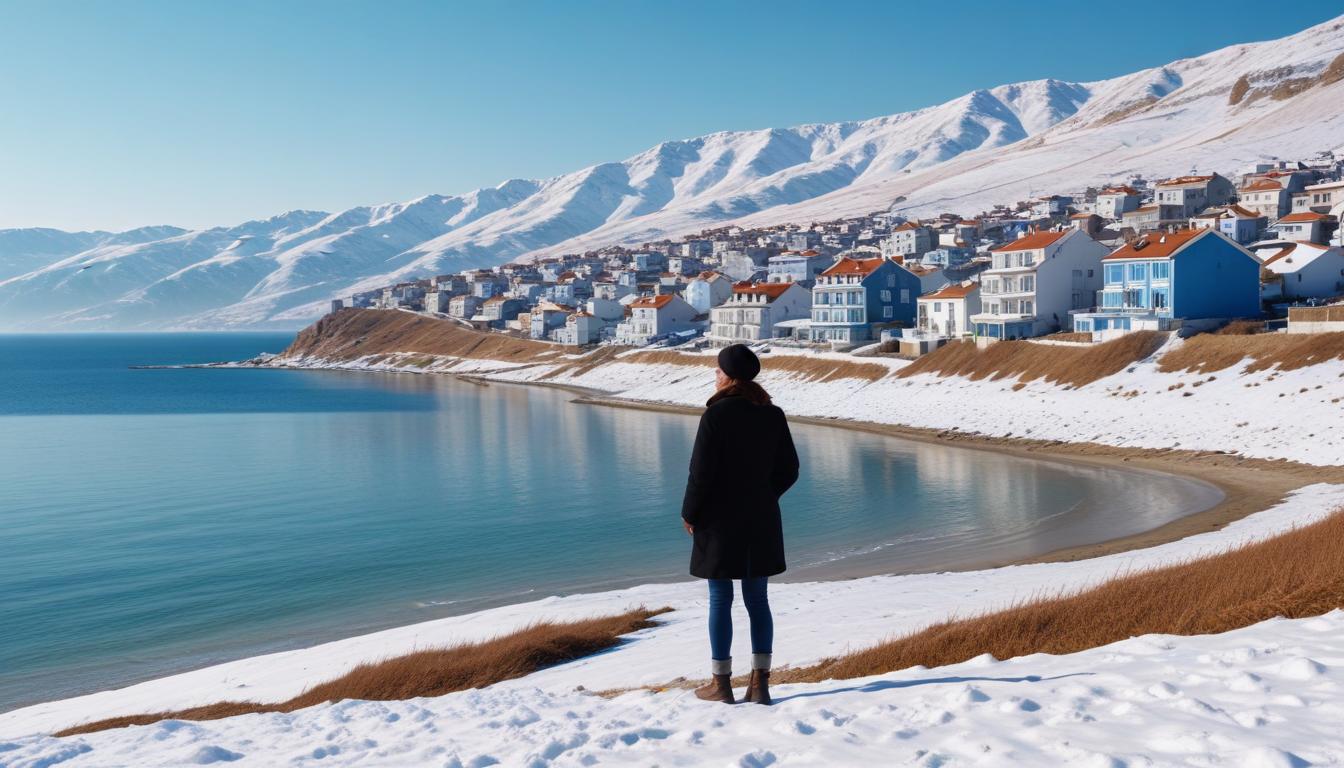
(853, 295)
(1164, 281)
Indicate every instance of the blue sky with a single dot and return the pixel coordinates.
(124, 114)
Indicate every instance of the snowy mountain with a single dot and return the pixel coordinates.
(1283, 98)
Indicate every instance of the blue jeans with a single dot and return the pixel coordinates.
(721, 617)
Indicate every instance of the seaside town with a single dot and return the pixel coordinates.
(1182, 254)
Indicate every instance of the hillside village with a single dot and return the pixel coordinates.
(1180, 254)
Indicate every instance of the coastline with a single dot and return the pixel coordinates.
(1247, 485)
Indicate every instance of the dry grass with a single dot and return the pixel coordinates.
(354, 333)
(1334, 72)
(1214, 352)
(1239, 90)
(1074, 366)
(1297, 574)
(431, 672)
(807, 368)
(1242, 328)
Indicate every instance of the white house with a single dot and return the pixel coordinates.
(1234, 221)
(1320, 198)
(752, 311)
(464, 306)
(606, 310)
(580, 328)
(652, 317)
(1304, 225)
(1195, 193)
(1035, 282)
(908, 239)
(1114, 202)
(947, 312)
(707, 290)
(1293, 270)
(1267, 197)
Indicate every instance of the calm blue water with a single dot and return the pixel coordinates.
(157, 520)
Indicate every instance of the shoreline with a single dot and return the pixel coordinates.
(1248, 485)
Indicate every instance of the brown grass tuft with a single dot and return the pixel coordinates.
(1334, 72)
(431, 672)
(1029, 361)
(1239, 90)
(1242, 328)
(1297, 574)
(1289, 351)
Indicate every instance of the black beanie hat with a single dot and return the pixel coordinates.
(739, 362)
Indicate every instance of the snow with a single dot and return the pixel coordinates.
(1269, 694)
(990, 146)
(1230, 410)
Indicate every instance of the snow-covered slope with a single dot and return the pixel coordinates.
(988, 146)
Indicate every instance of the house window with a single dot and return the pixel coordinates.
(905, 295)
(937, 306)
(1115, 274)
(886, 312)
(1138, 273)
(1028, 283)
(1160, 299)
(886, 295)
(1161, 270)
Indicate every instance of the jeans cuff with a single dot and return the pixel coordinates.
(760, 661)
(721, 666)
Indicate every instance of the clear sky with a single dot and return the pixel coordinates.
(121, 114)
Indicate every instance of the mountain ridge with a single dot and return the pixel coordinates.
(990, 145)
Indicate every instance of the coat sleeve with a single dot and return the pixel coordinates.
(701, 477)
(785, 471)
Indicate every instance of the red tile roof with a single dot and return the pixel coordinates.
(1262, 185)
(653, 302)
(1304, 216)
(849, 266)
(953, 291)
(771, 291)
(1032, 241)
(1157, 245)
(1123, 189)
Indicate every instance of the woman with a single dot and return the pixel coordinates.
(742, 463)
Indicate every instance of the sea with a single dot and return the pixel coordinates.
(155, 520)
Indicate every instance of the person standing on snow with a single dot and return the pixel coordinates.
(743, 462)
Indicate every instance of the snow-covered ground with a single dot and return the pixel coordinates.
(1267, 695)
(1228, 410)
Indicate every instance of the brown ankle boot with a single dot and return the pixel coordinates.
(758, 687)
(719, 688)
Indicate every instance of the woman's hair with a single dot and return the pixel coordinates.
(748, 389)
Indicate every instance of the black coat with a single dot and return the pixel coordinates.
(743, 461)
